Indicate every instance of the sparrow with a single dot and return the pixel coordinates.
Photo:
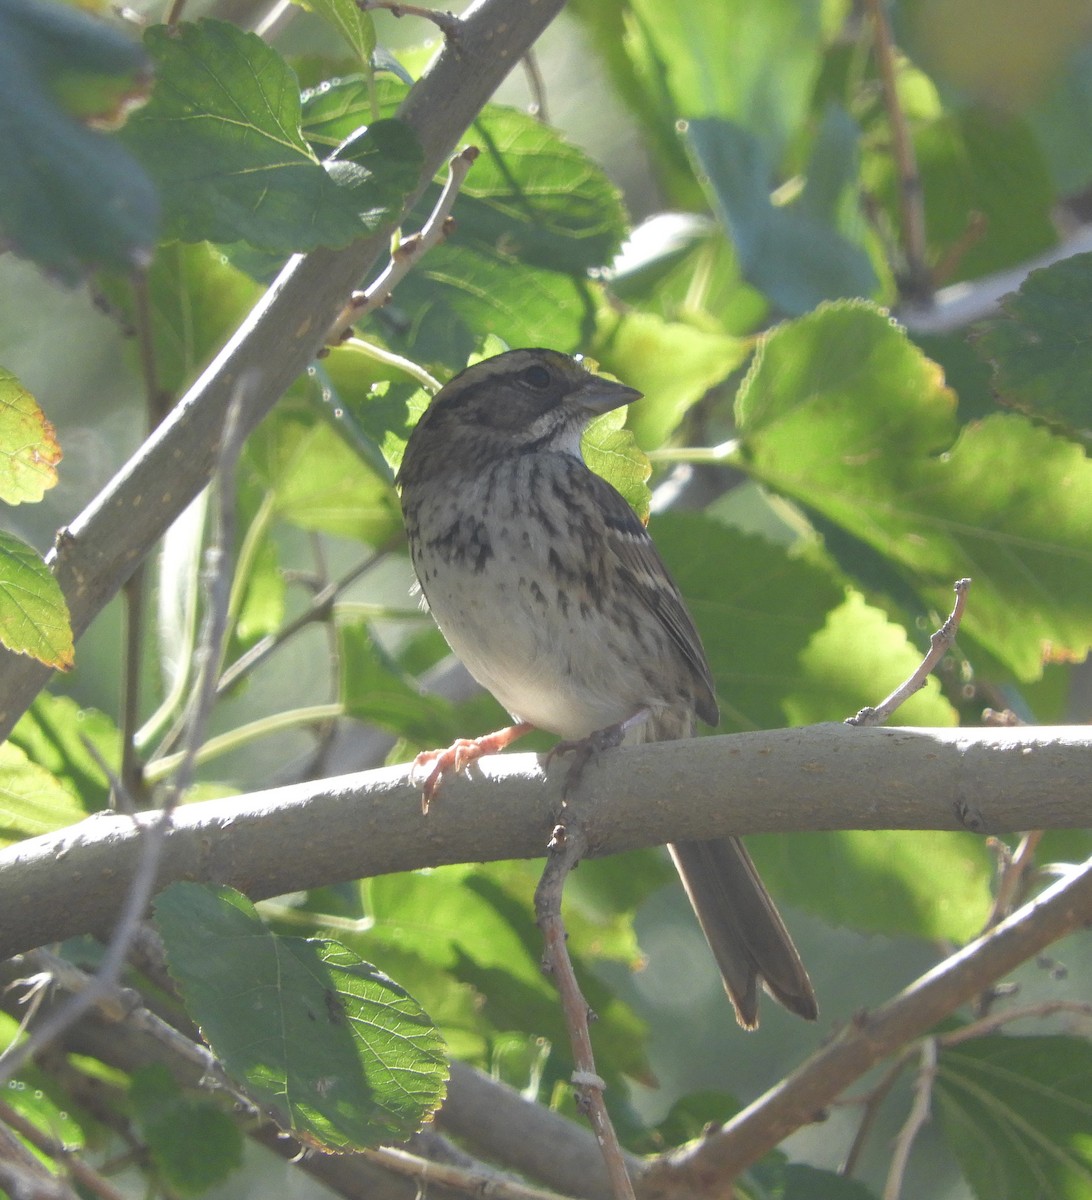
(550, 590)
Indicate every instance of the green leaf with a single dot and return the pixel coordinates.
(844, 414)
(460, 293)
(54, 732)
(192, 1142)
(530, 192)
(473, 930)
(342, 1054)
(373, 690)
(33, 613)
(930, 884)
(317, 481)
(976, 165)
(221, 135)
(73, 199)
(611, 450)
(673, 363)
(32, 801)
(793, 253)
(29, 451)
(355, 27)
(856, 659)
(756, 607)
(1041, 346)
(782, 1180)
(1016, 1113)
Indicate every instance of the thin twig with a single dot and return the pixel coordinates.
(1012, 877)
(537, 86)
(448, 23)
(939, 645)
(57, 1150)
(24, 1176)
(566, 848)
(155, 836)
(918, 282)
(318, 610)
(135, 589)
(475, 1181)
(995, 1021)
(409, 251)
(916, 1120)
(871, 1103)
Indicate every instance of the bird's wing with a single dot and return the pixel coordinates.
(629, 541)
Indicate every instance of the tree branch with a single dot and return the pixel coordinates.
(293, 838)
(800, 1099)
(103, 545)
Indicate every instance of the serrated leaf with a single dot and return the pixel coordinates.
(29, 451)
(33, 613)
(32, 801)
(221, 135)
(844, 414)
(342, 1054)
(611, 450)
(73, 199)
(469, 929)
(1041, 346)
(1016, 1113)
(193, 1143)
(856, 659)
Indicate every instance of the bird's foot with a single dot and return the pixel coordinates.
(460, 755)
(583, 750)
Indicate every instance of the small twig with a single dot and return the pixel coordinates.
(174, 13)
(134, 592)
(155, 836)
(409, 251)
(918, 282)
(448, 23)
(1012, 877)
(916, 1120)
(566, 848)
(990, 1024)
(55, 1149)
(318, 610)
(871, 1103)
(474, 1181)
(537, 86)
(22, 1175)
(939, 645)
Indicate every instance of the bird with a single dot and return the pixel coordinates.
(549, 588)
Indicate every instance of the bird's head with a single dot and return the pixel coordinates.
(518, 402)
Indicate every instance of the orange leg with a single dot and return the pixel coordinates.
(460, 754)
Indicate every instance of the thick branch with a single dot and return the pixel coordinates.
(104, 544)
(293, 838)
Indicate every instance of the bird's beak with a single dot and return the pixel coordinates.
(601, 395)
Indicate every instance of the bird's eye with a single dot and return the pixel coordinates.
(537, 377)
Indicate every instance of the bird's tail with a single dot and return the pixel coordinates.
(744, 929)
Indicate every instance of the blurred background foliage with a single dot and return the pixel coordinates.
(710, 200)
